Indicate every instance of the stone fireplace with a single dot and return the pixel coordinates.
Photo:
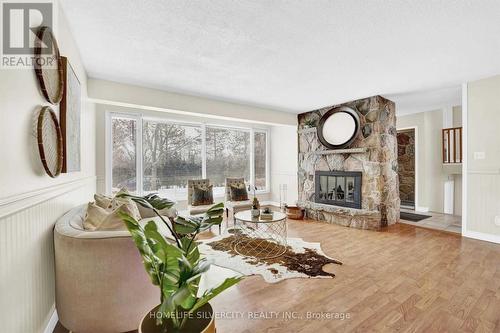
(356, 186)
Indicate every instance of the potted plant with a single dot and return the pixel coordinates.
(175, 266)
(255, 211)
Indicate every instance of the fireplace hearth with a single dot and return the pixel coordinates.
(339, 188)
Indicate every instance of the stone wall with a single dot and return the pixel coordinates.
(375, 156)
(406, 166)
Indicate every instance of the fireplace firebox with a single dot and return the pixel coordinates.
(339, 188)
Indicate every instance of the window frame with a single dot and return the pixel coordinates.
(140, 118)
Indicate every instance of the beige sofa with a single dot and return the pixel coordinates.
(101, 285)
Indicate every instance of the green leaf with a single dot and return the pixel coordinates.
(211, 293)
(185, 226)
(190, 249)
(150, 201)
(217, 209)
(151, 232)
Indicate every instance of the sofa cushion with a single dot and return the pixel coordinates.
(202, 195)
(100, 219)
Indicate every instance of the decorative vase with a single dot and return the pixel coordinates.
(202, 321)
(255, 212)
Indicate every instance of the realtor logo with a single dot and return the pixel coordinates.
(20, 24)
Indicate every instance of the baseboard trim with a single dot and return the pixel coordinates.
(51, 325)
(482, 236)
(422, 209)
(13, 204)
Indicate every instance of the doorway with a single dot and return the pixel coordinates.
(407, 167)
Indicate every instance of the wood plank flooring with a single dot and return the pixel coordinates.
(403, 279)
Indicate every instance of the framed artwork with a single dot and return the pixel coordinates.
(70, 112)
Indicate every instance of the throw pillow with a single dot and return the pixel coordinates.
(103, 201)
(133, 211)
(113, 221)
(94, 216)
(238, 192)
(202, 195)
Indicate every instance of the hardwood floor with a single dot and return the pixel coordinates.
(403, 279)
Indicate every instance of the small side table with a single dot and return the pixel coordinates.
(260, 238)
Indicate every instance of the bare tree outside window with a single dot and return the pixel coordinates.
(124, 154)
(228, 154)
(260, 159)
(171, 156)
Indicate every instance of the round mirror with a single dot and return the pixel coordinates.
(338, 127)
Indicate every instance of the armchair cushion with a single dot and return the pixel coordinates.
(195, 210)
(238, 192)
(239, 204)
(202, 195)
(191, 184)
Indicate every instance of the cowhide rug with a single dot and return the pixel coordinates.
(301, 259)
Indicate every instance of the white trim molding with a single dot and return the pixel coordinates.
(481, 236)
(465, 150)
(18, 202)
(51, 325)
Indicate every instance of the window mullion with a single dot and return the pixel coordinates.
(109, 153)
(203, 151)
(252, 159)
(139, 158)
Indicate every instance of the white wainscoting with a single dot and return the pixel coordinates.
(27, 300)
(483, 205)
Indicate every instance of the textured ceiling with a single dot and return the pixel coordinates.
(291, 55)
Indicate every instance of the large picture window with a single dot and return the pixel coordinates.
(171, 155)
(228, 154)
(154, 155)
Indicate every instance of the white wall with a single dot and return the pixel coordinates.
(284, 165)
(483, 175)
(107, 92)
(30, 201)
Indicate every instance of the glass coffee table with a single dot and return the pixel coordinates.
(259, 238)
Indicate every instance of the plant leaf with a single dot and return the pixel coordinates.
(150, 201)
(192, 253)
(211, 293)
(149, 259)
